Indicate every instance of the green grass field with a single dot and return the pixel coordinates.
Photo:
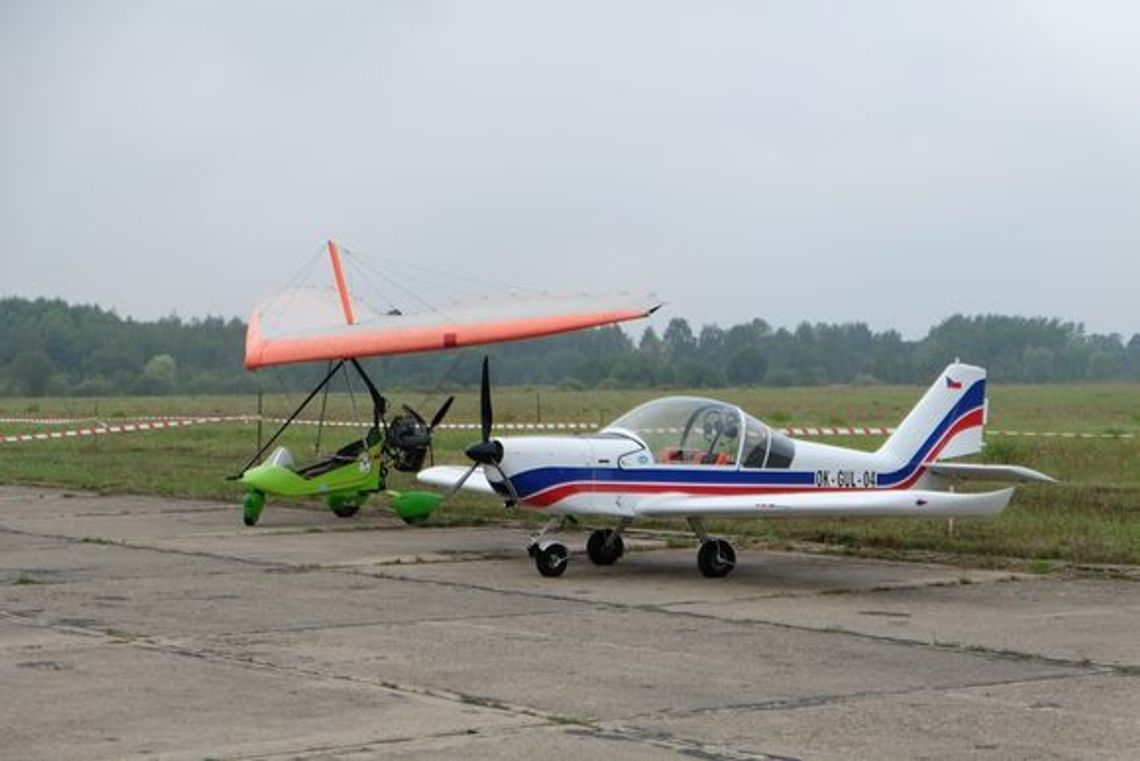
(1092, 516)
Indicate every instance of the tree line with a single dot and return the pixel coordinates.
(49, 347)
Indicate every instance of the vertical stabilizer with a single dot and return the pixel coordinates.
(947, 422)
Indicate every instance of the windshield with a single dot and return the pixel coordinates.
(685, 429)
(689, 430)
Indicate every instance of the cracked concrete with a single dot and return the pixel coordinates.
(134, 626)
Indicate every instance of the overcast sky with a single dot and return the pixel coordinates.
(891, 162)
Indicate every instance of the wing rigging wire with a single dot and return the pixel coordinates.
(362, 272)
(444, 377)
(415, 279)
(484, 285)
(300, 277)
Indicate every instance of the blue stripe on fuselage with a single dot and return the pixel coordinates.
(540, 479)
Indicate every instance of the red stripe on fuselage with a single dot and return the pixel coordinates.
(560, 492)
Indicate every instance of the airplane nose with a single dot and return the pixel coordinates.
(486, 452)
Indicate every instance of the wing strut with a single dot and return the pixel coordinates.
(332, 371)
(379, 407)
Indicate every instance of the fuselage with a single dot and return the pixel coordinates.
(698, 459)
(702, 447)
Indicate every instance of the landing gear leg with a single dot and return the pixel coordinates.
(716, 558)
(605, 545)
(554, 524)
(550, 557)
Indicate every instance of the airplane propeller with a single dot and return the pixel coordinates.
(424, 437)
(415, 506)
(486, 451)
(435, 419)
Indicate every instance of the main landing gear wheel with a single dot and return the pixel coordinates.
(251, 507)
(551, 559)
(716, 558)
(605, 546)
(344, 507)
(346, 510)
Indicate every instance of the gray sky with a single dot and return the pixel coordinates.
(892, 162)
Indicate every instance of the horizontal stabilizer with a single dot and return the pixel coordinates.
(447, 476)
(907, 503)
(973, 472)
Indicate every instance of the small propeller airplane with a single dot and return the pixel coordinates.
(306, 324)
(696, 458)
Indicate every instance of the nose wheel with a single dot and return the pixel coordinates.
(551, 558)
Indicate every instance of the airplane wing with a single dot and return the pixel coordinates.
(971, 471)
(447, 476)
(904, 503)
(308, 324)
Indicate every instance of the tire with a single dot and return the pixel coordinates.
(716, 558)
(251, 507)
(552, 559)
(343, 507)
(605, 546)
(346, 511)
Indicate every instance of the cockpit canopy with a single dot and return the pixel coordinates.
(689, 430)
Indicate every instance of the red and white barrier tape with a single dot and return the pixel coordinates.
(162, 423)
(1063, 435)
(99, 422)
(45, 420)
(860, 431)
(109, 429)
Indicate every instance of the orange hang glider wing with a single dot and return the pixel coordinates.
(308, 324)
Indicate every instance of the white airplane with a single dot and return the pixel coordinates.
(696, 458)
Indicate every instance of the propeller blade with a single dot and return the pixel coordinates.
(440, 413)
(419, 418)
(485, 412)
(461, 481)
(507, 482)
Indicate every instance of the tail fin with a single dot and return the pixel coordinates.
(947, 422)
